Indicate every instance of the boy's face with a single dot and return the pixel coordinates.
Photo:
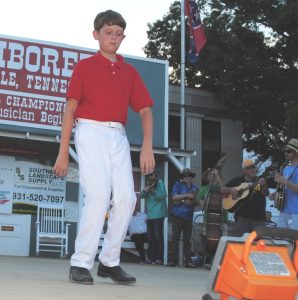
(109, 38)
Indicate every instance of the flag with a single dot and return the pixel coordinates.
(197, 34)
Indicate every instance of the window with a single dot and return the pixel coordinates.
(211, 143)
(174, 131)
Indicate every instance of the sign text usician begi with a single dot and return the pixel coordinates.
(34, 77)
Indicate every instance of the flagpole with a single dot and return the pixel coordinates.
(182, 80)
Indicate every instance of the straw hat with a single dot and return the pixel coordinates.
(293, 145)
(187, 172)
(248, 163)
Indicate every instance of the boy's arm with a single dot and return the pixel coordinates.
(61, 165)
(147, 162)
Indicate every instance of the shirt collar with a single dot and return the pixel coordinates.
(119, 64)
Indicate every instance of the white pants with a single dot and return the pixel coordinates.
(104, 168)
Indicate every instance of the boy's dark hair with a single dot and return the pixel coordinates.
(108, 17)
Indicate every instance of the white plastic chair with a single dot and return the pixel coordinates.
(51, 230)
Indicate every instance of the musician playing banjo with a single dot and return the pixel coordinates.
(184, 200)
(288, 217)
(249, 211)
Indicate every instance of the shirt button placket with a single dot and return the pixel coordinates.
(113, 69)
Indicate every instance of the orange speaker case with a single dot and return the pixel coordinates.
(257, 271)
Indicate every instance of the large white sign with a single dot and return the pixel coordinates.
(6, 184)
(35, 183)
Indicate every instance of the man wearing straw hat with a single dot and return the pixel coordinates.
(252, 210)
(288, 217)
(184, 200)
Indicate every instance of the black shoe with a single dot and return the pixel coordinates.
(80, 275)
(116, 274)
(158, 262)
(171, 264)
(189, 265)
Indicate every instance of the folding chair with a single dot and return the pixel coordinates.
(51, 230)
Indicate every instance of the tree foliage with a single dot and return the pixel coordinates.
(250, 61)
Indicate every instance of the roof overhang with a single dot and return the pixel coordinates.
(179, 157)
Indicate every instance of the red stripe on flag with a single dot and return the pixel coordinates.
(195, 25)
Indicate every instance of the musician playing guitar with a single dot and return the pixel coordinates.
(251, 211)
(288, 217)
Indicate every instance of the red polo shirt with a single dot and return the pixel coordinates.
(106, 89)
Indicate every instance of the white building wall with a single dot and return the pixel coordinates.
(194, 142)
(15, 234)
(201, 104)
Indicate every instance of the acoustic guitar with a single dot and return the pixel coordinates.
(243, 194)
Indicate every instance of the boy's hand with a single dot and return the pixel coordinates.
(61, 165)
(147, 161)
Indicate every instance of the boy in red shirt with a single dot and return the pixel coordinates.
(101, 89)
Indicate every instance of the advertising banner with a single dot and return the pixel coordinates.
(23, 184)
(34, 183)
(6, 185)
(33, 81)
